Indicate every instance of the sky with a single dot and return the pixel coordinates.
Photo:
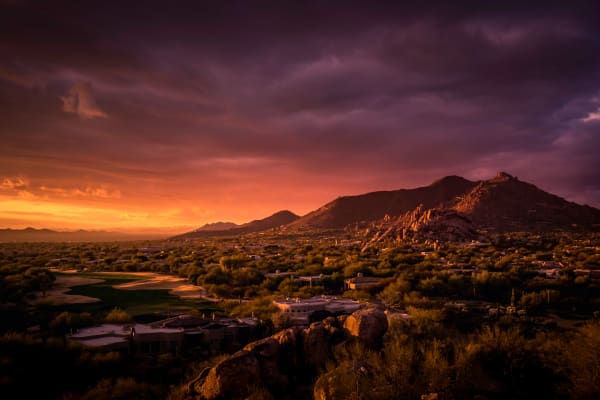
(168, 115)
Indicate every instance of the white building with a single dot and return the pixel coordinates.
(299, 310)
(120, 337)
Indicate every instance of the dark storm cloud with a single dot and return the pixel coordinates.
(370, 95)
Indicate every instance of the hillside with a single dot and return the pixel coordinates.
(374, 206)
(276, 220)
(433, 224)
(450, 207)
(506, 203)
(502, 203)
(217, 226)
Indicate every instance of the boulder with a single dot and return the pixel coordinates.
(288, 337)
(291, 348)
(337, 384)
(368, 325)
(316, 344)
(290, 357)
(264, 348)
(267, 352)
(231, 378)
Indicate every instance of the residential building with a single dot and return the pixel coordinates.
(299, 310)
(362, 282)
(216, 333)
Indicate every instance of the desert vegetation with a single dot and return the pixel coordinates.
(513, 317)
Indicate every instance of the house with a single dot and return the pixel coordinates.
(551, 273)
(216, 333)
(299, 310)
(362, 282)
(310, 279)
(132, 337)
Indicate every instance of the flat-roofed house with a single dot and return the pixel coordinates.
(299, 310)
(362, 282)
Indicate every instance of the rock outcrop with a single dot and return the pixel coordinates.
(333, 385)
(368, 325)
(422, 224)
(267, 352)
(279, 360)
(231, 378)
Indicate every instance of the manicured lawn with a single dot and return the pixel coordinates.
(141, 304)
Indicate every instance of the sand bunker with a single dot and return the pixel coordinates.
(58, 294)
(177, 286)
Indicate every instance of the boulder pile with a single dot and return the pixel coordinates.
(277, 361)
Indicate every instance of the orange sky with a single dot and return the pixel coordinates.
(110, 207)
(173, 205)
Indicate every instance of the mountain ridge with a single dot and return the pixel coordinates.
(217, 226)
(502, 203)
(506, 203)
(280, 218)
(30, 234)
(451, 203)
(348, 210)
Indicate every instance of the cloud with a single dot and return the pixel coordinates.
(593, 116)
(14, 183)
(17, 186)
(80, 100)
(99, 192)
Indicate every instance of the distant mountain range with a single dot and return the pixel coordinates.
(451, 207)
(48, 235)
(276, 220)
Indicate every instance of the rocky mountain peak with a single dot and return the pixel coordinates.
(502, 176)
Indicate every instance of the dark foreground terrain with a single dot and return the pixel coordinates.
(512, 317)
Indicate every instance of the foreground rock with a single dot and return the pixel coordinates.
(368, 325)
(337, 384)
(290, 355)
(231, 377)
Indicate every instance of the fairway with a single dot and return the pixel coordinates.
(141, 304)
